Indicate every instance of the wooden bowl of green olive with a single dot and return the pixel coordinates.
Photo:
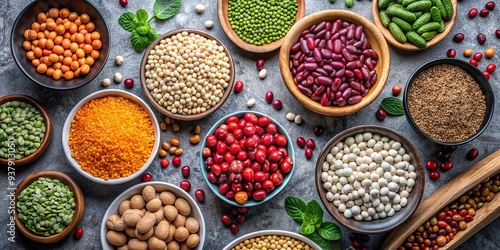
(25, 132)
(49, 206)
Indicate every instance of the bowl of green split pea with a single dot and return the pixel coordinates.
(25, 130)
(259, 27)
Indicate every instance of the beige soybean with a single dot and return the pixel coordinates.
(124, 206)
(146, 223)
(162, 230)
(130, 232)
(167, 198)
(183, 206)
(148, 193)
(159, 215)
(137, 201)
(179, 221)
(192, 225)
(153, 205)
(144, 236)
(173, 245)
(131, 216)
(193, 240)
(137, 244)
(116, 238)
(181, 234)
(115, 223)
(170, 212)
(156, 244)
(171, 233)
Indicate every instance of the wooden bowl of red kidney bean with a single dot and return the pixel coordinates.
(247, 158)
(334, 62)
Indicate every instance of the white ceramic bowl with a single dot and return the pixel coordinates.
(159, 187)
(272, 232)
(97, 95)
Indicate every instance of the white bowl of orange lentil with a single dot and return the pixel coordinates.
(111, 137)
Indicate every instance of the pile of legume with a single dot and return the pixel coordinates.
(261, 22)
(23, 125)
(446, 103)
(442, 228)
(271, 242)
(46, 206)
(111, 137)
(62, 44)
(187, 73)
(368, 176)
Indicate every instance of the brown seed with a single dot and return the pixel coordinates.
(179, 151)
(165, 145)
(195, 139)
(169, 120)
(172, 150)
(163, 126)
(175, 142)
(175, 127)
(162, 153)
(197, 129)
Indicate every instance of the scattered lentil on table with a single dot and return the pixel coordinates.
(21, 125)
(261, 22)
(446, 103)
(46, 206)
(105, 144)
(187, 73)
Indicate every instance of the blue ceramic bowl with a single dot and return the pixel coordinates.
(251, 202)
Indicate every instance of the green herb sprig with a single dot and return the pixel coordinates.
(312, 226)
(393, 106)
(138, 23)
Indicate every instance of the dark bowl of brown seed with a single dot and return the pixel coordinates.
(448, 101)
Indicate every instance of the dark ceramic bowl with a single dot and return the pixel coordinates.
(378, 225)
(29, 15)
(480, 79)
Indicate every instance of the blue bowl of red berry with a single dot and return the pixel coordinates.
(247, 158)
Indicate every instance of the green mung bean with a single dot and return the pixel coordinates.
(22, 128)
(46, 206)
(261, 22)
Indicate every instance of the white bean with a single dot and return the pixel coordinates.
(106, 82)
(117, 77)
(298, 119)
(329, 196)
(290, 116)
(199, 8)
(262, 73)
(251, 102)
(209, 24)
(119, 60)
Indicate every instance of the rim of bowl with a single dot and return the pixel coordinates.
(379, 225)
(163, 186)
(17, 58)
(271, 232)
(222, 13)
(370, 29)
(479, 78)
(77, 216)
(407, 46)
(101, 94)
(48, 129)
(270, 195)
(162, 109)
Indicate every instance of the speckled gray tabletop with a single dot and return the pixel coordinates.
(270, 215)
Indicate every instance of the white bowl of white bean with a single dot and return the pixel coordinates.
(272, 237)
(370, 178)
(187, 74)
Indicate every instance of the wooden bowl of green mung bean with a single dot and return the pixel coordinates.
(25, 132)
(49, 206)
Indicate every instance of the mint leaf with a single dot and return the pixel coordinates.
(165, 9)
(295, 207)
(152, 35)
(321, 242)
(329, 231)
(128, 21)
(393, 106)
(140, 42)
(307, 228)
(142, 15)
(143, 29)
(314, 213)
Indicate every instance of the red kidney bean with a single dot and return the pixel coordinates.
(452, 53)
(481, 38)
(353, 65)
(310, 66)
(295, 48)
(349, 74)
(484, 12)
(356, 85)
(337, 46)
(303, 46)
(491, 68)
(79, 231)
(358, 32)
(354, 99)
(490, 5)
(322, 71)
(350, 34)
(319, 27)
(347, 55)
(347, 93)
(320, 34)
(328, 35)
(473, 12)
(328, 68)
(310, 59)
(310, 43)
(305, 32)
(322, 44)
(323, 80)
(320, 90)
(317, 55)
(325, 53)
(329, 45)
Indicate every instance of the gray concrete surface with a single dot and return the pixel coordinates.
(271, 215)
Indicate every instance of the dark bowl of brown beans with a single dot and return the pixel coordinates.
(60, 44)
(448, 101)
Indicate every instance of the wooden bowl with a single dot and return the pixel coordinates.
(378, 225)
(79, 208)
(164, 110)
(448, 25)
(455, 188)
(29, 15)
(373, 35)
(48, 130)
(224, 22)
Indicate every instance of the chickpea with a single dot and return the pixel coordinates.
(85, 69)
(57, 74)
(30, 55)
(51, 25)
(52, 35)
(87, 48)
(84, 32)
(27, 45)
(60, 29)
(53, 58)
(88, 39)
(80, 53)
(66, 43)
(68, 75)
(79, 38)
(35, 62)
(67, 53)
(42, 18)
(45, 32)
(78, 21)
(96, 44)
(49, 44)
(67, 61)
(90, 26)
(41, 68)
(58, 40)
(72, 37)
(72, 16)
(50, 71)
(42, 42)
(35, 26)
(94, 54)
(38, 52)
(73, 28)
(57, 65)
(53, 13)
(59, 20)
(43, 27)
(85, 18)
(64, 13)
(40, 35)
(74, 65)
(32, 35)
(73, 47)
(95, 35)
(66, 35)
(34, 44)
(89, 61)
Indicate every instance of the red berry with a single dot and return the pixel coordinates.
(445, 166)
(490, 5)
(176, 161)
(318, 130)
(481, 38)
(487, 75)
(310, 143)
(199, 194)
(164, 162)
(147, 177)
(269, 96)
(452, 53)
(301, 142)
(458, 37)
(431, 165)
(308, 153)
(484, 12)
(234, 228)
(472, 154)
(473, 62)
(356, 244)
(434, 175)
(277, 104)
(381, 114)
(473, 13)
(260, 63)
(491, 68)
(478, 56)
(185, 185)
(226, 219)
(242, 210)
(238, 86)
(129, 83)
(78, 233)
(185, 171)
(444, 155)
(497, 33)
(123, 3)
(240, 219)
